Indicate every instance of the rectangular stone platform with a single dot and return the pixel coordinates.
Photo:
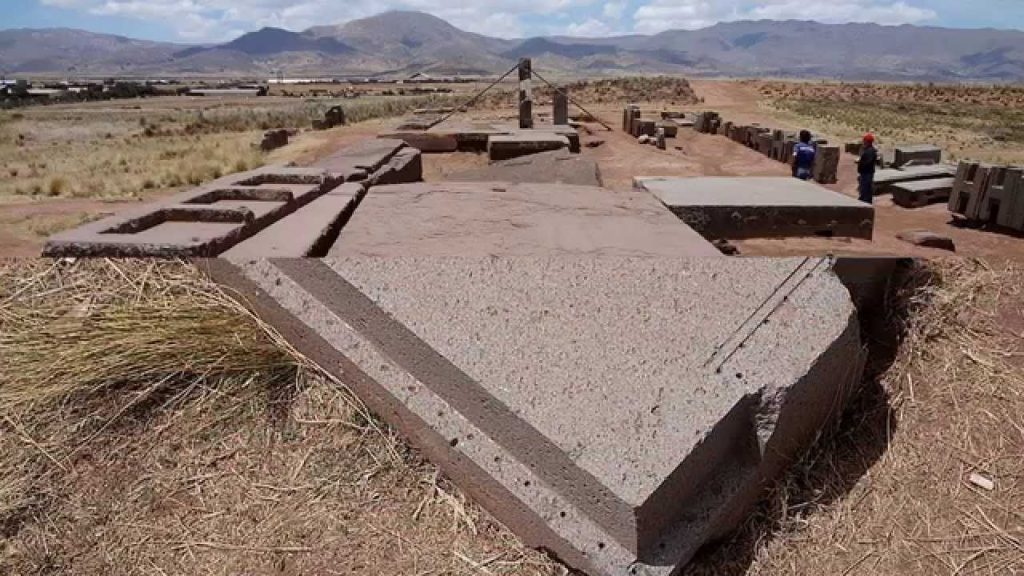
(884, 179)
(558, 167)
(762, 207)
(366, 155)
(203, 221)
(310, 231)
(505, 146)
(482, 218)
(472, 135)
(922, 192)
(618, 412)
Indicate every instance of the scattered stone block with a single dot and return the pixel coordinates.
(660, 138)
(335, 116)
(647, 127)
(558, 167)
(274, 139)
(561, 108)
(737, 208)
(826, 165)
(619, 412)
(404, 167)
(920, 193)
(1011, 206)
(854, 147)
(670, 128)
(505, 146)
(501, 218)
(884, 179)
(927, 239)
(920, 155)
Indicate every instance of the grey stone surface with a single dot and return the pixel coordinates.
(884, 179)
(404, 167)
(558, 167)
(919, 193)
(620, 412)
(920, 155)
(367, 155)
(760, 207)
(505, 146)
(310, 231)
(482, 218)
(560, 105)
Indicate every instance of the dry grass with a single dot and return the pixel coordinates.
(968, 122)
(123, 150)
(168, 432)
(171, 454)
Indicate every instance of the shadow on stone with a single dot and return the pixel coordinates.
(842, 456)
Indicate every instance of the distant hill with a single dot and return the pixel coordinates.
(400, 43)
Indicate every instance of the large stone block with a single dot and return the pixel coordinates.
(919, 155)
(404, 167)
(505, 146)
(826, 165)
(736, 208)
(922, 192)
(619, 412)
(558, 167)
(884, 179)
(310, 231)
(480, 218)
(367, 155)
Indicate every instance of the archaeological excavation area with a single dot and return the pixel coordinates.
(589, 364)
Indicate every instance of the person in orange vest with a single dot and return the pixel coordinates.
(866, 169)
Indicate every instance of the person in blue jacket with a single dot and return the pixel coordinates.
(803, 157)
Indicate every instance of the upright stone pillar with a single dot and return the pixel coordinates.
(525, 96)
(561, 112)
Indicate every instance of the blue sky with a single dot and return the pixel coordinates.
(217, 20)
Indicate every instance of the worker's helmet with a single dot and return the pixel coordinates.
(805, 136)
(869, 138)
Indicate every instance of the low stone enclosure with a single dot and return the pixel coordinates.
(583, 362)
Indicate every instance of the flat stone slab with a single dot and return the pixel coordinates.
(919, 193)
(918, 154)
(204, 221)
(620, 412)
(499, 218)
(884, 179)
(735, 208)
(310, 231)
(558, 167)
(505, 146)
(366, 155)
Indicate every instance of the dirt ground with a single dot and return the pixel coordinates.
(26, 222)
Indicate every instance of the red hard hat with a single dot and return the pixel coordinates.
(869, 137)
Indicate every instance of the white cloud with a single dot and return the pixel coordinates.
(215, 20)
(589, 28)
(660, 15)
(614, 9)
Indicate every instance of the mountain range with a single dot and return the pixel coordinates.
(401, 43)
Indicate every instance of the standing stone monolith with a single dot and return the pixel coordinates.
(561, 107)
(525, 96)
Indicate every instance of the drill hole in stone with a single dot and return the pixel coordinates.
(454, 442)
